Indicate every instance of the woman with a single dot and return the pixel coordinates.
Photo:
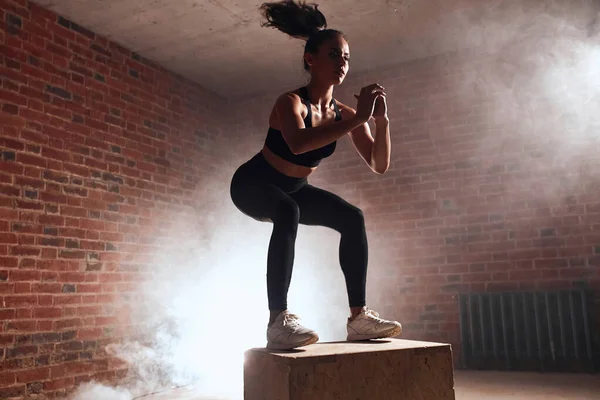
(304, 127)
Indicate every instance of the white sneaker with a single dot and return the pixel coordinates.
(286, 333)
(367, 325)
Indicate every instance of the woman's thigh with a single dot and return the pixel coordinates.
(259, 200)
(323, 208)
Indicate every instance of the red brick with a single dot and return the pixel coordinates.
(47, 288)
(577, 272)
(20, 300)
(43, 326)
(54, 220)
(31, 182)
(73, 233)
(49, 253)
(89, 288)
(6, 214)
(53, 198)
(51, 312)
(31, 160)
(9, 262)
(67, 323)
(90, 333)
(72, 254)
(7, 379)
(71, 369)
(103, 321)
(5, 202)
(79, 170)
(29, 205)
(8, 238)
(27, 240)
(7, 288)
(477, 277)
(7, 314)
(33, 375)
(56, 384)
(21, 326)
(72, 222)
(73, 211)
(24, 251)
(551, 263)
(67, 299)
(25, 275)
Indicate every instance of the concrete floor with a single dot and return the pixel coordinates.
(485, 385)
(477, 385)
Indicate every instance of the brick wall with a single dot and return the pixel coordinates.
(493, 185)
(100, 152)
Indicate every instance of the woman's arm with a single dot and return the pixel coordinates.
(374, 151)
(301, 139)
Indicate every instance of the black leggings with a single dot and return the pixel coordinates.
(263, 193)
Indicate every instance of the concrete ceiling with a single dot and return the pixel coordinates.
(221, 45)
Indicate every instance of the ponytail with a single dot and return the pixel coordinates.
(299, 20)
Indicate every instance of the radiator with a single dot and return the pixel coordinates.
(527, 331)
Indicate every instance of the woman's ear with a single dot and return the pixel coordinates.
(309, 59)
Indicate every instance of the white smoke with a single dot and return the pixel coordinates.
(531, 85)
(96, 391)
(207, 304)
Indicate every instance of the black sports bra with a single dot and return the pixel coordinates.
(277, 144)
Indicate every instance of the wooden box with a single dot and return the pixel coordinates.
(385, 369)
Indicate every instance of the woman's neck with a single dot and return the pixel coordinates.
(320, 95)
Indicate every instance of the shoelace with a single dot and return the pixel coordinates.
(291, 320)
(374, 315)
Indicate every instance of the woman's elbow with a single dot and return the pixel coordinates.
(380, 169)
(297, 147)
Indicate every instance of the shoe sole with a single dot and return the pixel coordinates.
(382, 335)
(282, 346)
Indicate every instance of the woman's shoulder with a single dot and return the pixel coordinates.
(288, 103)
(291, 94)
(289, 97)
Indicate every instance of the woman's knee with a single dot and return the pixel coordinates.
(354, 218)
(287, 213)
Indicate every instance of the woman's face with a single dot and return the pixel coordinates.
(330, 64)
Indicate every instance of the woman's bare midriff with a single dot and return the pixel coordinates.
(286, 167)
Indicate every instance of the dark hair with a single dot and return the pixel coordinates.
(300, 20)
